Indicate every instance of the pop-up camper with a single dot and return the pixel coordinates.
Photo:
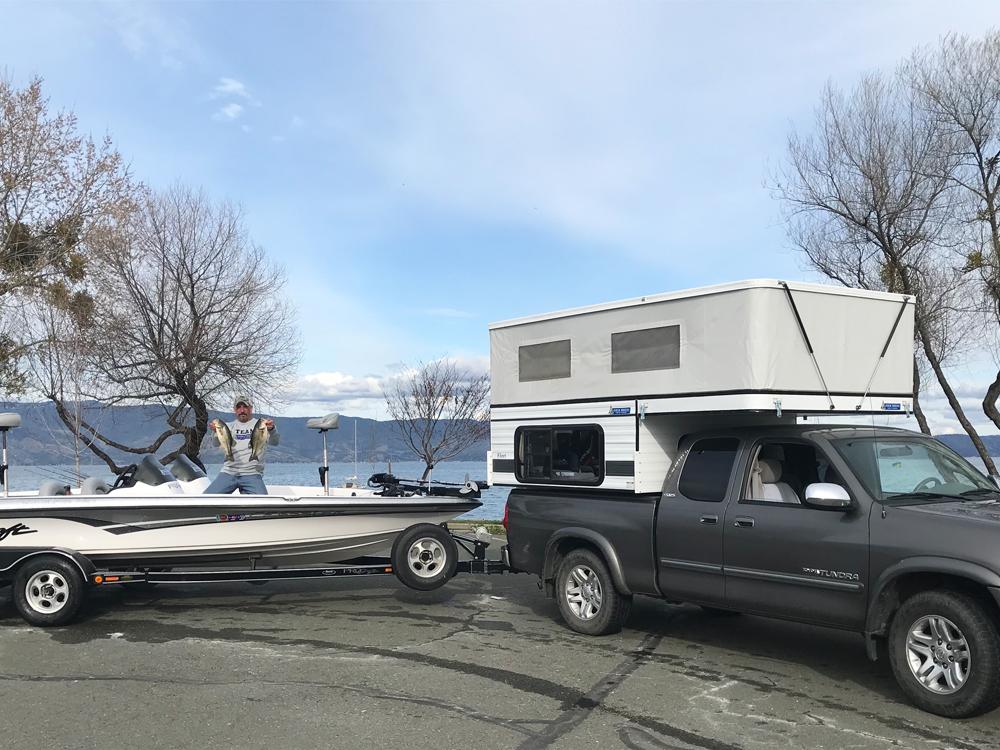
(599, 396)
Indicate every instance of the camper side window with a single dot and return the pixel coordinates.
(572, 454)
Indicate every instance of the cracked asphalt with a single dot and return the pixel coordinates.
(483, 662)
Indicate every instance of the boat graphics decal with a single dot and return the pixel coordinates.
(17, 529)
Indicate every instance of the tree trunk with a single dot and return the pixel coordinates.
(953, 402)
(917, 410)
(990, 401)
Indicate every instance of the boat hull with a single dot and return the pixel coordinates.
(204, 533)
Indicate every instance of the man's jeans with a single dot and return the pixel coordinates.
(247, 484)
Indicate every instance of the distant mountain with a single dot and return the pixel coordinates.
(962, 444)
(42, 438)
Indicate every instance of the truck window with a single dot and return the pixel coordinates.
(707, 469)
(781, 470)
(564, 454)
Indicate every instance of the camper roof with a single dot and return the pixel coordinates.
(702, 291)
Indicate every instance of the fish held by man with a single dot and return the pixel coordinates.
(258, 440)
(225, 437)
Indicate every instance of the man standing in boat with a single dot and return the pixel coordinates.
(243, 441)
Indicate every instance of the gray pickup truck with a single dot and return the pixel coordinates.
(881, 531)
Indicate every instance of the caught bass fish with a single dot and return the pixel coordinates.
(225, 437)
(258, 440)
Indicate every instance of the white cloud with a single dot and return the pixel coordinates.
(148, 34)
(230, 88)
(228, 112)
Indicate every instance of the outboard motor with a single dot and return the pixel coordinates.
(186, 470)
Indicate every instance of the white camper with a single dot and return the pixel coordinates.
(598, 396)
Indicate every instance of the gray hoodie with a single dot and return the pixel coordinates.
(241, 464)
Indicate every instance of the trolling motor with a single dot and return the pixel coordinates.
(8, 421)
(391, 486)
(324, 424)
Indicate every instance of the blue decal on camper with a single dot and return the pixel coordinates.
(621, 411)
(891, 406)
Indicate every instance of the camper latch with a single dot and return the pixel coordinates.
(777, 406)
(642, 412)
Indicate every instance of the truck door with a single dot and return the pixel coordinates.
(689, 521)
(786, 558)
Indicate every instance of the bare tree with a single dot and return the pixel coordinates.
(958, 85)
(870, 197)
(187, 311)
(56, 186)
(439, 410)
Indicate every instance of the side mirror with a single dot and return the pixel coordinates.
(828, 495)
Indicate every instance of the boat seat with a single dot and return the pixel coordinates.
(94, 486)
(9, 419)
(51, 487)
(329, 422)
(772, 489)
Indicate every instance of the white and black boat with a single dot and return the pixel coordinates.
(156, 519)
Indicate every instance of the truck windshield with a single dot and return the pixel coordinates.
(902, 471)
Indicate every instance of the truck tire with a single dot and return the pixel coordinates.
(424, 556)
(48, 590)
(945, 654)
(588, 600)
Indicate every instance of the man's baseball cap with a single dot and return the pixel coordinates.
(242, 399)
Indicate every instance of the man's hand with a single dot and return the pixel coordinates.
(269, 424)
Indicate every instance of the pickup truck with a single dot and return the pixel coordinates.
(881, 531)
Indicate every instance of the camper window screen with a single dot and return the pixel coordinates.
(648, 349)
(543, 361)
(560, 455)
(707, 469)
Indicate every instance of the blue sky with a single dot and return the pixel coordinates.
(422, 169)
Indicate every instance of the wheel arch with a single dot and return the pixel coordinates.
(567, 539)
(902, 580)
(82, 562)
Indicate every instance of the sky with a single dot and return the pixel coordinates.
(422, 169)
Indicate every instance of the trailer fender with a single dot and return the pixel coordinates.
(9, 563)
(587, 537)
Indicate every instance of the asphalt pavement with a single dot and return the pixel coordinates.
(482, 663)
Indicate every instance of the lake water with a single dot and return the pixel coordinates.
(30, 477)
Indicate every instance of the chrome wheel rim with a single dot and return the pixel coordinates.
(583, 592)
(938, 654)
(426, 557)
(47, 591)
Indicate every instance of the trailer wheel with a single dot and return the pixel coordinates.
(48, 591)
(424, 556)
(945, 654)
(588, 600)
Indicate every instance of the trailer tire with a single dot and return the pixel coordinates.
(48, 591)
(588, 600)
(424, 557)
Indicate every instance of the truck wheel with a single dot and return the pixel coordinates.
(588, 600)
(424, 557)
(945, 654)
(48, 591)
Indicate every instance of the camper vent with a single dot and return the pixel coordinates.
(543, 361)
(646, 349)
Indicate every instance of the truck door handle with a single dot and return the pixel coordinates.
(743, 523)
(709, 519)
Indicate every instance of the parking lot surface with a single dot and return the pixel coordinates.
(483, 662)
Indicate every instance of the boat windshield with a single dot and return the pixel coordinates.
(912, 470)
